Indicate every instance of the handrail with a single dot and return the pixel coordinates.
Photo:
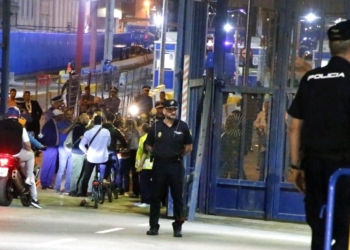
(330, 205)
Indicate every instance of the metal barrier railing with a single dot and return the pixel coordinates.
(330, 205)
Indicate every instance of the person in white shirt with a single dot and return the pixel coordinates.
(97, 140)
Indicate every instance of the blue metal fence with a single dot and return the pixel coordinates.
(32, 52)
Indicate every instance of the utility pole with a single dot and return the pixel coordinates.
(6, 20)
(109, 30)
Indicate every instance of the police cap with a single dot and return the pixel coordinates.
(113, 89)
(339, 32)
(171, 104)
(57, 99)
(146, 87)
(159, 104)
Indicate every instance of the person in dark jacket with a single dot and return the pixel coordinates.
(33, 108)
(113, 162)
(144, 101)
(50, 138)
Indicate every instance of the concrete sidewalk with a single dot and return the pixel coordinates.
(125, 205)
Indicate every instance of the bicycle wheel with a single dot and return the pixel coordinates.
(110, 188)
(101, 194)
(95, 198)
(109, 194)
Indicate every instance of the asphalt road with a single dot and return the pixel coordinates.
(62, 224)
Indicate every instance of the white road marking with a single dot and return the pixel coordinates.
(109, 230)
(57, 242)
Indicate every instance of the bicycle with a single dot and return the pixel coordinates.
(98, 192)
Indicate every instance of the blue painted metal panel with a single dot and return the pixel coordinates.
(168, 78)
(168, 47)
(291, 202)
(251, 199)
(224, 191)
(33, 52)
(251, 80)
(195, 108)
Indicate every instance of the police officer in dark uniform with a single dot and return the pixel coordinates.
(168, 140)
(320, 127)
(159, 115)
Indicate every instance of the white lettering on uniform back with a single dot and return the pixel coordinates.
(329, 75)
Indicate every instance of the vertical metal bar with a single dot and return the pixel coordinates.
(5, 60)
(80, 37)
(36, 88)
(109, 26)
(245, 74)
(162, 44)
(180, 48)
(321, 34)
(286, 11)
(203, 140)
(220, 36)
(296, 31)
(93, 31)
(347, 8)
(46, 80)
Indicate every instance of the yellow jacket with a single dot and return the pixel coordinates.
(147, 164)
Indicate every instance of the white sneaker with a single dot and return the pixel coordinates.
(30, 181)
(35, 204)
(144, 205)
(137, 204)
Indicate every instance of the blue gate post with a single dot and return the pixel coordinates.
(330, 205)
(5, 59)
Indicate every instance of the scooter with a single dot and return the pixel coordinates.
(12, 182)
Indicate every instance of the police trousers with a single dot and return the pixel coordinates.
(317, 173)
(166, 175)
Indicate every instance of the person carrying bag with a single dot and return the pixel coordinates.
(98, 140)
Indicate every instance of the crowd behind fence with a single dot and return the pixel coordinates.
(128, 81)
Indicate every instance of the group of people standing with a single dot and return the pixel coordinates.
(150, 146)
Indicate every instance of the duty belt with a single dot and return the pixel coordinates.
(332, 155)
(172, 159)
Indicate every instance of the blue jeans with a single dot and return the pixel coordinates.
(125, 173)
(105, 169)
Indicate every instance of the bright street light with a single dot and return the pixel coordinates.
(311, 17)
(158, 20)
(228, 27)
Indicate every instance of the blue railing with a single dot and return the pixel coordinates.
(330, 205)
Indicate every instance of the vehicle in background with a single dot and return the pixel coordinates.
(148, 28)
(143, 38)
(121, 52)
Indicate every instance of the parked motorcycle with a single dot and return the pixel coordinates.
(12, 182)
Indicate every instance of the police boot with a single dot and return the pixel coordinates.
(177, 230)
(153, 230)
